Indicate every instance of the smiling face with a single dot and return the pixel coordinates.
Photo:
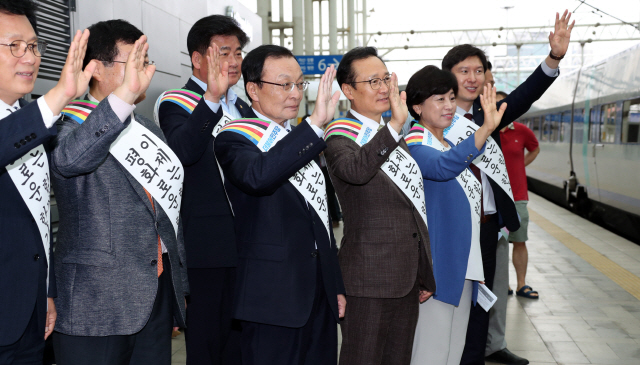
(364, 100)
(17, 75)
(437, 111)
(471, 79)
(273, 101)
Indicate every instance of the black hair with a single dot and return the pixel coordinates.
(430, 80)
(104, 37)
(345, 73)
(504, 94)
(460, 53)
(20, 7)
(253, 63)
(200, 34)
(489, 66)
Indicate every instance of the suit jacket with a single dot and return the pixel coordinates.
(276, 231)
(518, 103)
(107, 249)
(385, 240)
(23, 264)
(207, 218)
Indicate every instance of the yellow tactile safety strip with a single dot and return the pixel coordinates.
(613, 271)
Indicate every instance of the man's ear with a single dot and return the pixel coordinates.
(196, 60)
(252, 91)
(98, 74)
(347, 90)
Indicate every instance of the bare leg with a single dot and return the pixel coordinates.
(520, 262)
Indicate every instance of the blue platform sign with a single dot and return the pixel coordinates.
(313, 65)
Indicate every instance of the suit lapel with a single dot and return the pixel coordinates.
(478, 113)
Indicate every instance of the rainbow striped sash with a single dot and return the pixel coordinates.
(79, 110)
(345, 127)
(253, 129)
(415, 135)
(186, 99)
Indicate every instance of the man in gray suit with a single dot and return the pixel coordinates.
(120, 259)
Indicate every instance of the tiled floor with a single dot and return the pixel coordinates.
(582, 316)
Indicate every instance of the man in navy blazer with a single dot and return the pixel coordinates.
(289, 293)
(27, 311)
(207, 217)
(469, 65)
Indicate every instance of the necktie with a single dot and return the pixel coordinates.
(160, 267)
(478, 175)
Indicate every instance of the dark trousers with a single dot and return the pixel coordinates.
(379, 330)
(29, 347)
(478, 328)
(316, 343)
(151, 345)
(212, 336)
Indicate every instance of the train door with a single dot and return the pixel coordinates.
(589, 153)
(606, 151)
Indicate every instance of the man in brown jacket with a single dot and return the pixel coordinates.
(385, 256)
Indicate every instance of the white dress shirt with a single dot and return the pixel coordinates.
(47, 115)
(228, 106)
(361, 118)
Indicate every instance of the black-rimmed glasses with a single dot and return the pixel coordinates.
(376, 83)
(19, 48)
(145, 64)
(288, 86)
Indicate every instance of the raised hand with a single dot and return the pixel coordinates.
(137, 77)
(492, 116)
(325, 103)
(398, 101)
(560, 37)
(217, 75)
(73, 80)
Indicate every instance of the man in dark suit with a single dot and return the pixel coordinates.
(120, 261)
(289, 292)
(469, 64)
(27, 279)
(208, 220)
(385, 254)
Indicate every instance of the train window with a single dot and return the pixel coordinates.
(535, 126)
(631, 121)
(553, 120)
(608, 123)
(565, 127)
(546, 128)
(578, 125)
(594, 126)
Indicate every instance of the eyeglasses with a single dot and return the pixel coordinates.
(376, 83)
(288, 87)
(19, 48)
(145, 64)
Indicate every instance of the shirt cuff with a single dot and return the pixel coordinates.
(316, 129)
(47, 115)
(551, 72)
(120, 107)
(394, 134)
(213, 106)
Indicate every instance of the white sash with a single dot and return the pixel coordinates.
(473, 191)
(226, 118)
(491, 161)
(30, 174)
(154, 165)
(401, 168)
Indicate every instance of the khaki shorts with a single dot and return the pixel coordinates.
(521, 234)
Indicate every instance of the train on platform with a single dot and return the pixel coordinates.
(588, 126)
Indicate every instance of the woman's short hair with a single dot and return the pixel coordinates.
(429, 81)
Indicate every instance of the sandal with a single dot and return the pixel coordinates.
(523, 292)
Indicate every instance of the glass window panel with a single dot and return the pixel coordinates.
(631, 121)
(554, 127)
(578, 125)
(608, 123)
(535, 126)
(594, 126)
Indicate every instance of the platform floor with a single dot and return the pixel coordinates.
(589, 284)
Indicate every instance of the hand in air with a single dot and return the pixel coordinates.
(492, 116)
(217, 75)
(398, 101)
(325, 103)
(560, 37)
(137, 76)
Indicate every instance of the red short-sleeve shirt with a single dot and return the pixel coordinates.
(514, 142)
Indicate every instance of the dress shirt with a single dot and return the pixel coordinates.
(228, 106)
(361, 117)
(47, 115)
(287, 126)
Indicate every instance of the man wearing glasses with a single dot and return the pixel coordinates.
(289, 293)
(189, 118)
(27, 279)
(385, 254)
(120, 261)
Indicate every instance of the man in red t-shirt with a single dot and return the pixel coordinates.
(515, 138)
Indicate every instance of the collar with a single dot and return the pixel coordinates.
(230, 93)
(287, 126)
(4, 108)
(91, 98)
(461, 111)
(362, 117)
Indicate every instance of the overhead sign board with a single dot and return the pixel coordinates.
(313, 65)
